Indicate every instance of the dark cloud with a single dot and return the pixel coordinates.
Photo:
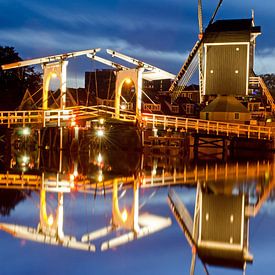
(158, 31)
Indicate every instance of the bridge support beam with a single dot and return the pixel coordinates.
(52, 70)
(135, 75)
(208, 146)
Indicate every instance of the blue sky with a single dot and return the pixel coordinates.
(160, 32)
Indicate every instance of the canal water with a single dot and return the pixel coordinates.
(54, 202)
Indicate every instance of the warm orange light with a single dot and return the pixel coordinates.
(123, 107)
(128, 80)
(100, 177)
(71, 177)
(100, 132)
(124, 215)
(50, 220)
(72, 185)
(54, 75)
(73, 123)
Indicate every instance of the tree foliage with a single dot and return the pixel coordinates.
(14, 82)
(10, 198)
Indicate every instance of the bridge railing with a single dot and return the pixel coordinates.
(102, 110)
(207, 126)
(20, 181)
(57, 116)
(22, 118)
(218, 172)
(258, 81)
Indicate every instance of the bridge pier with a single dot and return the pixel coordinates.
(166, 142)
(210, 146)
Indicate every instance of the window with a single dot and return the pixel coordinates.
(175, 109)
(189, 109)
(152, 107)
(237, 116)
(207, 116)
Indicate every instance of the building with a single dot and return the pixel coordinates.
(101, 83)
(229, 47)
(226, 108)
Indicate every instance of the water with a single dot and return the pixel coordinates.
(142, 178)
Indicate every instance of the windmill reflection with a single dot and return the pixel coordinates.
(219, 232)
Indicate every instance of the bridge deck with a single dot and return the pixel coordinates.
(58, 117)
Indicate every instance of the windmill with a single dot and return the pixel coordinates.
(190, 64)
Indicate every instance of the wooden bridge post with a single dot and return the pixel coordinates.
(186, 145)
(224, 149)
(196, 146)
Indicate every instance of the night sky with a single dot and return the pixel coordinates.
(160, 32)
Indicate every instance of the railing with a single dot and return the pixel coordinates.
(20, 181)
(260, 82)
(102, 110)
(23, 118)
(34, 182)
(207, 126)
(189, 176)
(222, 172)
(59, 117)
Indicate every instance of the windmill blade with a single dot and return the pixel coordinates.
(215, 13)
(200, 16)
(192, 54)
(200, 21)
(186, 65)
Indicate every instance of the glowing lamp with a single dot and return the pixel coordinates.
(50, 220)
(123, 107)
(124, 215)
(54, 75)
(99, 158)
(71, 177)
(73, 123)
(128, 80)
(101, 121)
(26, 131)
(100, 176)
(100, 132)
(25, 159)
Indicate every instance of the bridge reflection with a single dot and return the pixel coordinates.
(242, 187)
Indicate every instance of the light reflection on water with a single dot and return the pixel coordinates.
(88, 202)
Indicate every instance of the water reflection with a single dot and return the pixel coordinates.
(228, 194)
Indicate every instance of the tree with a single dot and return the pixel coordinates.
(10, 198)
(14, 82)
